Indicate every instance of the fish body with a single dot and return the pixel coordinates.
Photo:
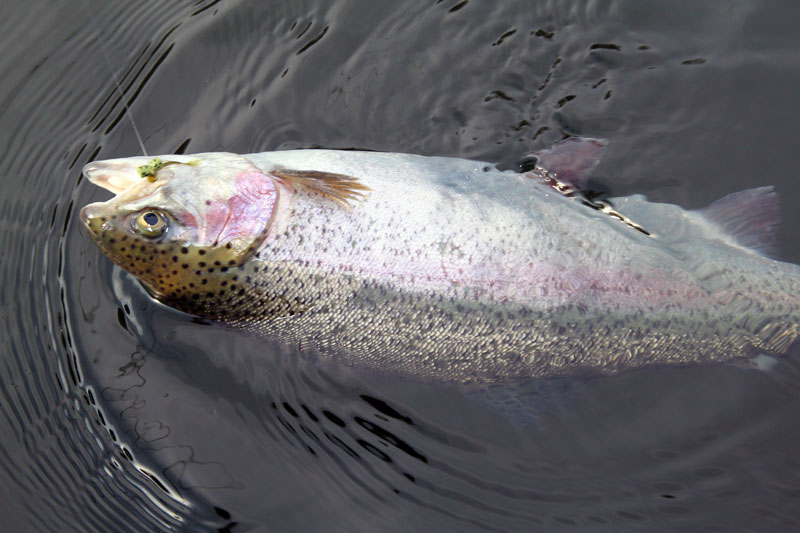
(448, 269)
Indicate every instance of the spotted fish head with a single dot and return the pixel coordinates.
(178, 222)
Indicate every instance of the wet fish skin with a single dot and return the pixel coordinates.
(441, 268)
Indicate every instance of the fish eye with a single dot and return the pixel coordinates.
(151, 223)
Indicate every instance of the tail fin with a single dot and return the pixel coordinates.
(749, 218)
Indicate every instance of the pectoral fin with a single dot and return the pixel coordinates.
(340, 188)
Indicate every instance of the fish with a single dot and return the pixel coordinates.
(446, 269)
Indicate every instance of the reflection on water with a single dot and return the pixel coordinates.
(117, 414)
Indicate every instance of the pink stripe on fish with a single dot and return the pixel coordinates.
(609, 288)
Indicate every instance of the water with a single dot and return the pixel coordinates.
(117, 414)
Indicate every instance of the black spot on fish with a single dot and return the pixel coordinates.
(201, 252)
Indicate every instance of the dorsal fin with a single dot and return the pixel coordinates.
(338, 187)
(749, 217)
(566, 167)
(572, 160)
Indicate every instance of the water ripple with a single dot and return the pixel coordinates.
(117, 414)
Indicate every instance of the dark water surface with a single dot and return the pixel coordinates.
(117, 414)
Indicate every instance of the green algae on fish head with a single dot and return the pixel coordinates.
(150, 170)
(186, 234)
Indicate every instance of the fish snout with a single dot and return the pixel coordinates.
(93, 219)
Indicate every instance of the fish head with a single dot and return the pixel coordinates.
(176, 222)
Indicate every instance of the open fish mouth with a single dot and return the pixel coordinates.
(117, 175)
(113, 176)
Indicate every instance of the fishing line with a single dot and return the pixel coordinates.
(114, 75)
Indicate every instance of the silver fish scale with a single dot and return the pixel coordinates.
(452, 339)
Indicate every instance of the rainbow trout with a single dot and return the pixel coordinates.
(448, 269)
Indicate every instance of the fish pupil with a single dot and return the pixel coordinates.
(151, 219)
